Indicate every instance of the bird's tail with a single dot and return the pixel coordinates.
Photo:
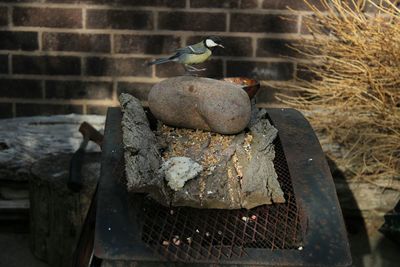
(160, 61)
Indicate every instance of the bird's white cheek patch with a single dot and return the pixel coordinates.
(210, 43)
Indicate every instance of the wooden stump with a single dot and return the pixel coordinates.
(57, 214)
(24, 141)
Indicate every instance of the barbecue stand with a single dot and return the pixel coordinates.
(307, 230)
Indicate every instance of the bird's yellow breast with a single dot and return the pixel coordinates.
(196, 58)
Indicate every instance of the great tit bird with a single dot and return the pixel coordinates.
(192, 54)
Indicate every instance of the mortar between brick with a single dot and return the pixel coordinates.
(183, 35)
(151, 32)
(256, 10)
(127, 56)
(84, 14)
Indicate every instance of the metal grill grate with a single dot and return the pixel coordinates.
(188, 234)
(127, 235)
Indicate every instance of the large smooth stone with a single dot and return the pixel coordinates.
(201, 103)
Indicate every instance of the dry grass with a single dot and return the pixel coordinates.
(354, 98)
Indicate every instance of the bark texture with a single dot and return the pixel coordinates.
(238, 170)
(141, 151)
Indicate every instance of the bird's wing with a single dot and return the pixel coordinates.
(192, 49)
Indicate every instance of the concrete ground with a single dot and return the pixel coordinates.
(369, 247)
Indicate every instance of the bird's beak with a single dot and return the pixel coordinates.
(220, 45)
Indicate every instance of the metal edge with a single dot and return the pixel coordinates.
(109, 144)
(115, 229)
(312, 183)
(325, 236)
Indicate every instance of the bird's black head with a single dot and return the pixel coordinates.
(213, 41)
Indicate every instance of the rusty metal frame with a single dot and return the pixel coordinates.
(325, 243)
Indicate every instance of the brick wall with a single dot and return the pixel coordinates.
(63, 56)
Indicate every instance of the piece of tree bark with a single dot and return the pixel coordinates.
(242, 175)
(25, 140)
(57, 214)
(238, 170)
(141, 152)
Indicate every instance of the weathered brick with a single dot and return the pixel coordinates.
(249, 4)
(138, 90)
(263, 23)
(261, 70)
(293, 4)
(97, 2)
(51, 65)
(311, 20)
(117, 67)
(266, 96)
(18, 40)
(223, 4)
(17, 88)
(367, 6)
(146, 44)
(119, 19)
(213, 69)
(78, 90)
(303, 27)
(76, 42)
(46, 109)
(234, 46)
(163, 3)
(47, 17)
(95, 109)
(3, 64)
(304, 73)
(3, 16)
(169, 70)
(370, 8)
(275, 48)
(192, 21)
(6, 110)
(215, 4)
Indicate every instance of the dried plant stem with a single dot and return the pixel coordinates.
(354, 98)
